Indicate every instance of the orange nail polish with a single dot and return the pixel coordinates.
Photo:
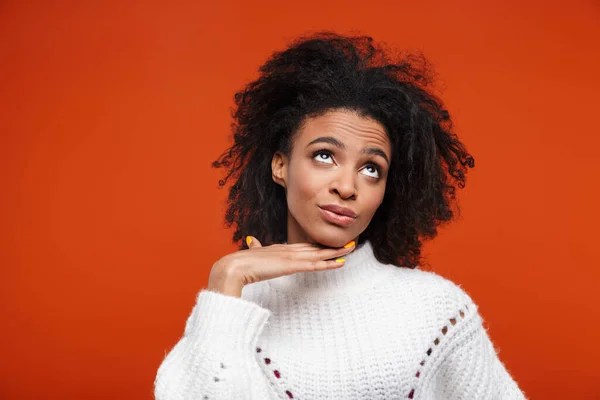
(248, 240)
(349, 244)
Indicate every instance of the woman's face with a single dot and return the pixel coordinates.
(338, 159)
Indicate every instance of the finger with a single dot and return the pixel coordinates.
(302, 245)
(301, 258)
(320, 265)
(293, 246)
(252, 242)
(316, 246)
(332, 253)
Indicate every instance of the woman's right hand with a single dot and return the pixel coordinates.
(233, 271)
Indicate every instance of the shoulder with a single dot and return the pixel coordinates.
(432, 290)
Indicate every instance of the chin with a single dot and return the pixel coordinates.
(332, 236)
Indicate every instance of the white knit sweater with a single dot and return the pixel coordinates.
(362, 331)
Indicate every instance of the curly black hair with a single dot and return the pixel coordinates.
(326, 71)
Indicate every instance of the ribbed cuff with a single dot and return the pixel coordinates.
(227, 318)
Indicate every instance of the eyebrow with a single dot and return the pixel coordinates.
(334, 142)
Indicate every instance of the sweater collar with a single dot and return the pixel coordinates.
(360, 269)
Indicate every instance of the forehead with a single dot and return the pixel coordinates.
(348, 126)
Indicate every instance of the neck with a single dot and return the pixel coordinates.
(359, 270)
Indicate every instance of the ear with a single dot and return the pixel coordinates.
(279, 165)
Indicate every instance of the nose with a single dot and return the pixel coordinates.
(344, 184)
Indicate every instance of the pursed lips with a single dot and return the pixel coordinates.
(338, 215)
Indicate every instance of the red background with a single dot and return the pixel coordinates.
(111, 113)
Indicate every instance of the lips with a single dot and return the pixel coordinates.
(338, 215)
(339, 210)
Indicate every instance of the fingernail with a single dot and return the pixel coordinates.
(340, 260)
(349, 244)
(248, 240)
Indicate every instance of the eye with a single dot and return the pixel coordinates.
(373, 170)
(323, 156)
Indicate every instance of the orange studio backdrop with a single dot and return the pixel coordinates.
(112, 112)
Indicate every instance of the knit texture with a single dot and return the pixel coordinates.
(363, 331)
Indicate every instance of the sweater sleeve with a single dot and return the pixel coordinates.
(215, 358)
(470, 368)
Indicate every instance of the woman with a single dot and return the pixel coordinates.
(343, 161)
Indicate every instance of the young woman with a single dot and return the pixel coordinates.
(343, 161)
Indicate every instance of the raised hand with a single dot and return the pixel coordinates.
(258, 263)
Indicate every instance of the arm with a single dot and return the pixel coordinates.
(216, 355)
(469, 367)
(215, 358)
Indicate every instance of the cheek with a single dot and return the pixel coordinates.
(374, 200)
(303, 187)
(303, 193)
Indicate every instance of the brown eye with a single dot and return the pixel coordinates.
(372, 170)
(323, 156)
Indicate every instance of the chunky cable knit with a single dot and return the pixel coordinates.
(362, 331)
